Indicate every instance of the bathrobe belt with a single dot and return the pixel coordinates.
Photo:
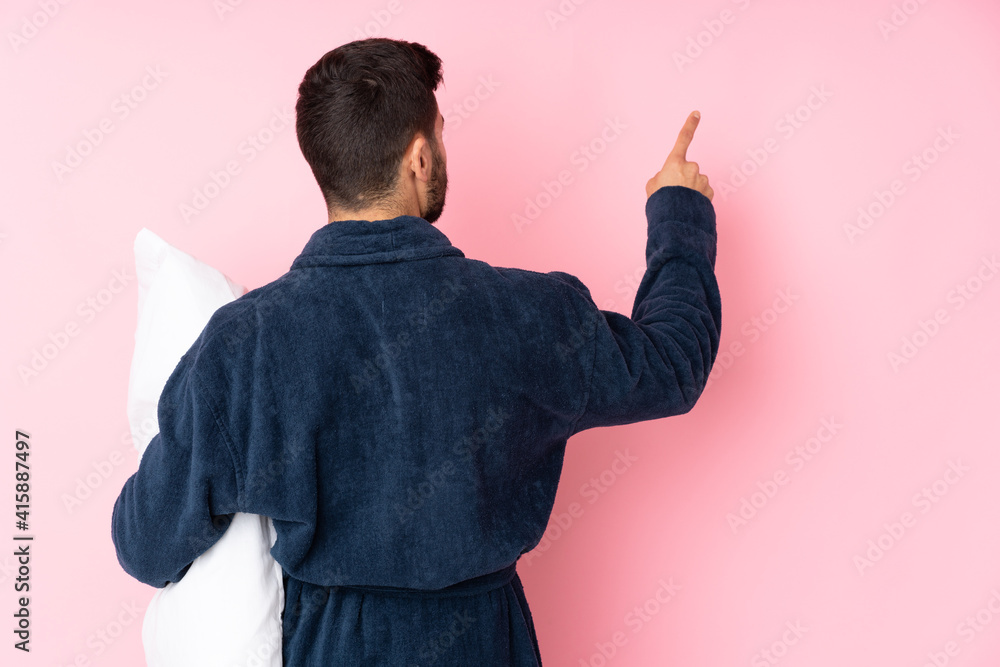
(474, 586)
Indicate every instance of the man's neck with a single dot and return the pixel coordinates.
(375, 213)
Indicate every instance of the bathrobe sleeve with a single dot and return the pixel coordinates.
(656, 363)
(181, 499)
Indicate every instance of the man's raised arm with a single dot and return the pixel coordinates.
(656, 363)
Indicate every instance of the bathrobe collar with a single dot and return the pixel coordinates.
(346, 242)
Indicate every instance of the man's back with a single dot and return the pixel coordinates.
(421, 404)
(401, 412)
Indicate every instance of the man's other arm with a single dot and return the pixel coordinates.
(180, 500)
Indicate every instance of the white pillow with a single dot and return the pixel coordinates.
(226, 610)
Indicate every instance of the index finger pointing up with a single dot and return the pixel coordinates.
(684, 138)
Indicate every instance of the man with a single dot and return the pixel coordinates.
(399, 410)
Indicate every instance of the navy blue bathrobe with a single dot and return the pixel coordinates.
(401, 413)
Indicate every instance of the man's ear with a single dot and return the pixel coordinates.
(420, 157)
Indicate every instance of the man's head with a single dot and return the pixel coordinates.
(369, 126)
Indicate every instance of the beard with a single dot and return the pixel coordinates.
(437, 187)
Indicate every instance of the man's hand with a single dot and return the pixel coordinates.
(677, 170)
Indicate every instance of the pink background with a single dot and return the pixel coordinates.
(822, 353)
